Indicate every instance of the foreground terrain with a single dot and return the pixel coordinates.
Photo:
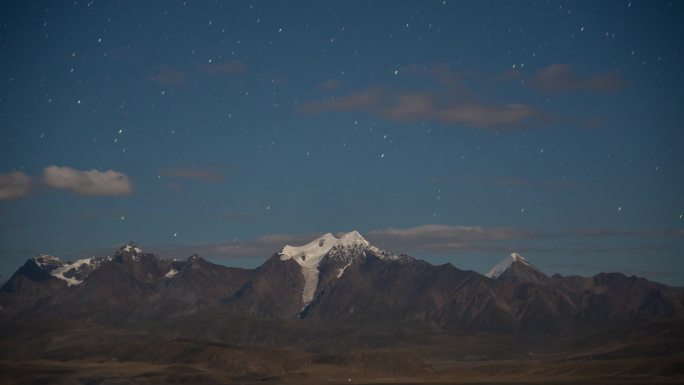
(632, 371)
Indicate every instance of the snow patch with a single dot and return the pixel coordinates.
(341, 271)
(171, 273)
(505, 264)
(59, 272)
(133, 249)
(44, 260)
(308, 257)
(310, 284)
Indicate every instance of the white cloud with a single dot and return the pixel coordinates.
(91, 183)
(14, 185)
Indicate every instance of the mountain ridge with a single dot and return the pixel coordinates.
(342, 279)
(369, 311)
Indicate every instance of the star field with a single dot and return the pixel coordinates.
(455, 131)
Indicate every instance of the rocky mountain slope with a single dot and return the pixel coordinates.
(329, 284)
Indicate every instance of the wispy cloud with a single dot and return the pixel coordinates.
(605, 233)
(482, 115)
(442, 239)
(261, 247)
(170, 77)
(90, 183)
(198, 174)
(358, 100)
(409, 106)
(229, 67)
(432, 232)
(562, 78)
(434, 238)
(448, 96)
(14, 185)
(329, 85)
(427, 239)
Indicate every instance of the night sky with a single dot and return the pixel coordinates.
(452, 131)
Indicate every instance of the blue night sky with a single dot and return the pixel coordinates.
(452, 131)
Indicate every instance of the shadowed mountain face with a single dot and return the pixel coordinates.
(332, 284)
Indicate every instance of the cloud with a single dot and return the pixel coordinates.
(197, 174)
(409, 106)
(14, 185)
(90, 183)
(230, 67)
(423, 105)
(443, 239)
(359, 100)
(481, 115)
(562, 78)
(445, 96)
(432, 232)
(445, 75)
(605, 233)
(169, 76)
(329, 85)
(422, 239)
(261, 247)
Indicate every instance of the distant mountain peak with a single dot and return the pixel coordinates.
(506, 264)
(48, 262)
(519, 258)
(72, 273)
(310, 254)
(131, 247)
(194, 261)
(351, 239)
(341, 250)
(128, 251)
(349, 246)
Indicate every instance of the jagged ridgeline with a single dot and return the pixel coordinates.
(344, 281)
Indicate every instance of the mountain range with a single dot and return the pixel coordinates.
(332, 296)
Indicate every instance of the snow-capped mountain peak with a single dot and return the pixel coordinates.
(69, 271)
(128, 250)
(344, 249)
(352, 245)
(48, 262)
(352, 239)
(131, 247)
(309, 255)
(505, 264)
(72, 273)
